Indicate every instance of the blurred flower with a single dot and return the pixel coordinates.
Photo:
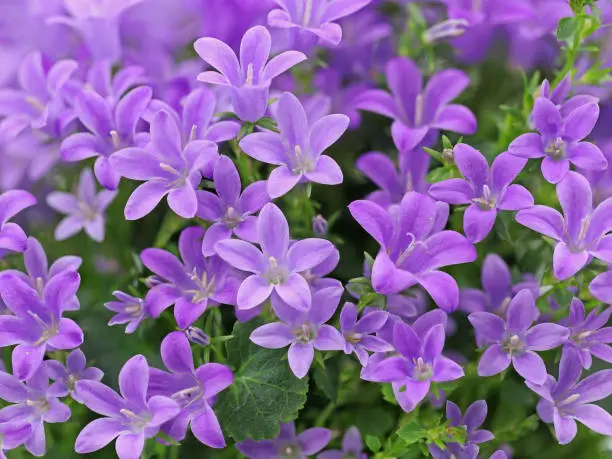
(130, 310)
(66, 376)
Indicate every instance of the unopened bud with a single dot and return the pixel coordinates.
(197, 336)
(319, 225)
(448, 155)
(450, 28)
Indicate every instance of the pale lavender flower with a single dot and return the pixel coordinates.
(316, 276)
(248, 80)
(486, 191)
(298, 149)
(352, 447)
(277, 265)
(515, 340)
(287, 444)
(601, 287)
(113, 85)
(84, 209)
(358, 332)
(66, 376)
(130, 417)
(12, 237)
(303, 331)
(13, 435)
(130, 310)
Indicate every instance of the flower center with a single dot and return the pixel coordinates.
(353, 337)
(249, 75)
(303, 163)
(71, 381)
(134, 309)
(115, 139)
(305, 333)
(232, 218)
(49, 330)
(40, 404)
(580, 338)
(206, 287)
(181, 178)
(189, 396)
(487, 201)
(276, 274)
(408, 250)
(36, 103)
(556, 148)
(514, 345)
(422, 370)
(136, 422)
(87, 212)
(568, 400)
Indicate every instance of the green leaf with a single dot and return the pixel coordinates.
(373, 443)
(438, 174)
(245, 130)
(387, 393)
(231, 115)
(328, 379)
(412, 432)
(434, 154)
(567, 28)
(268, 123)
(171, 224)
(265, 391)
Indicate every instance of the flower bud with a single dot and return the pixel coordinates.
(319, 225)
(450, 28)
(197, 336)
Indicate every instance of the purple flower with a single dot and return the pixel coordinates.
(475, 415)
(416, 111)
(566, 401)
(298, 149)
(276, 266)
(394, 184)
(419, 363)
(13, 435)
(492, 12)
(352, 447)
(486, 191)
(34, 403)
(315, 276)
(413, 247)
(559, 140)
(589, 335)
(248, 80)
(303, 331)
(65, 377)
(515, 340)
(191, 285)
(287, 444)
(357, 333)
(84, 209)
(12, 237)
(601, 287)
(112, 126)
(313, 21)
(166, 168)
(129, 417)
(580, 232)
(130, 310)
(37, 323)
(194, 389)
(230, 210)
(110, 85)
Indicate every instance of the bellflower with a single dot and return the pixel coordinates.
(566, 400)
(413, 247)
(129, 417)
(352, 447)
(84, 209)
(111, 127)
(474, 416)
(416, 111)
(276, 266)
(248, 80)
(230, 210)
(287, 444)
(580, 233)
(560, 140)
(589, 334)
(113, 85)
(13, 435)
(486, 191)
(192, 285)
(358, 333)
(194, 389)
(315, 276)
(601, 287)
(166, 168)
(66, 376)
(313, 21)
(303, 331)
(419, 363)
(515, 340)
(298, 149)
(130, 310)
(33, 402)
(12, 237)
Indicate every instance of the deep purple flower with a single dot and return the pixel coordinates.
(589, 334)
(515, 340)
(166, 168)
(84, 209)
(419, 363)
(313, 21)
(66, 376)
(12, 237)
(298, 149)
(34, 403)
(194, 389)
(581, 232)
(37, 323)
(486, 191)
(130, 310)
(357, 333)
(416, 111)
(287, 444)
(248, 80)
(112, 127)
(303, 331)
(474, 416)
(129, 417)
(413, 247)
(276, 266)
(13, 435)
(352, 447)
(230, 209)
(566, 401)
(560, 140)
(191, 285)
